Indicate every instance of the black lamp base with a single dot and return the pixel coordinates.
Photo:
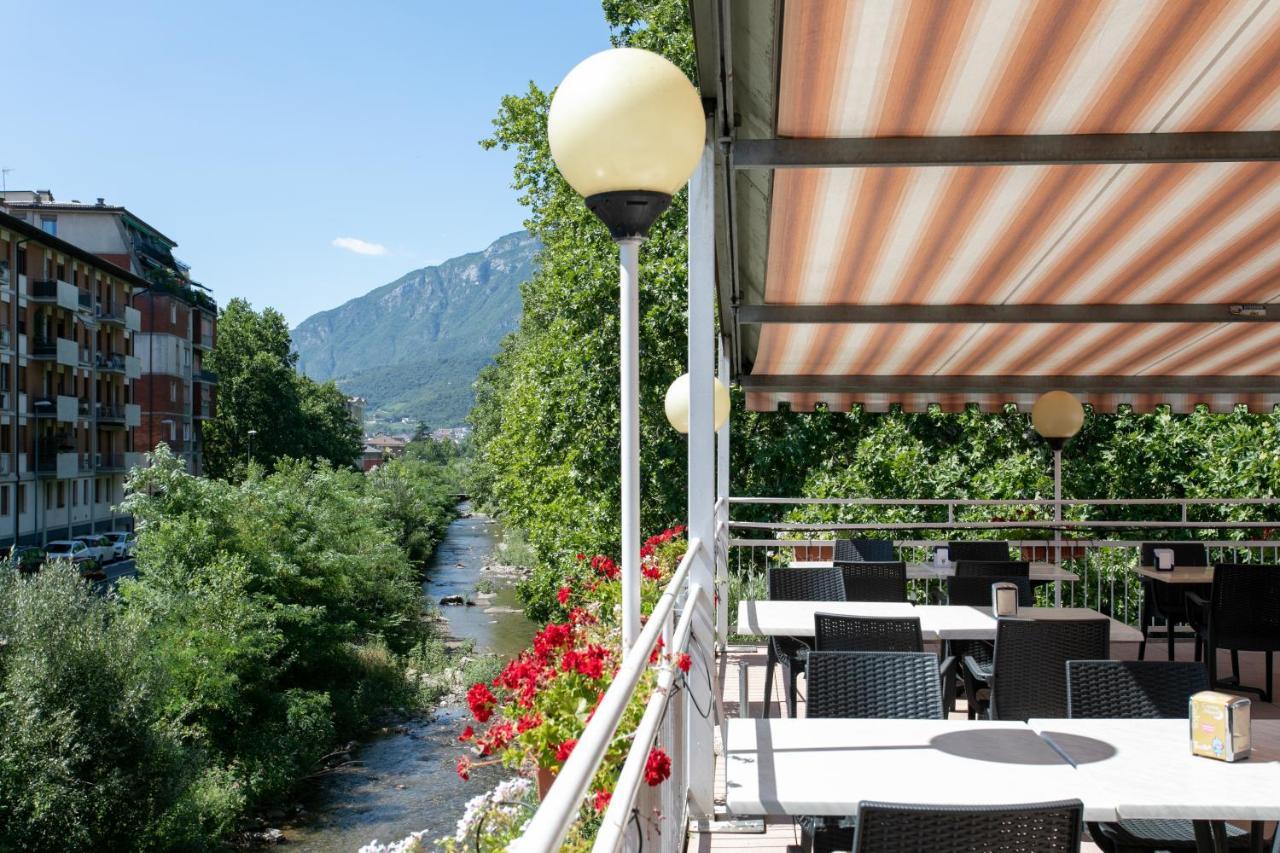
(628, 213)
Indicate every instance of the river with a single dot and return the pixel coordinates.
(405, 782)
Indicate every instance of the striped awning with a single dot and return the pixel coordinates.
(950, 202)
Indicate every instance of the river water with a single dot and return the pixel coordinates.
(405, 782)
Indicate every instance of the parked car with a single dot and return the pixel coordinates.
(27, 559)
(100, 547)
(122, 543)
(75, 551)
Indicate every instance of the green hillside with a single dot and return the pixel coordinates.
(413, 347)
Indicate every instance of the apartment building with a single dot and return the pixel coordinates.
(68, 373)
(179, 317)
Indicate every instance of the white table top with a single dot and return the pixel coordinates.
(937, 621)
(928, 571)
(1122, 768)
(826, 767)
(1178, 574)
(1145, 769)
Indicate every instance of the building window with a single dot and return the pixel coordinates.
(22, 499)
(49, 224)
(173, 313)
(97, 491)
(4, 500)
(86, 492)
(173, 391)
(75, 494)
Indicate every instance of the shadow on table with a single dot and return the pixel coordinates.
(1013, 746)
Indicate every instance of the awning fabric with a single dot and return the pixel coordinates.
(1129, 233)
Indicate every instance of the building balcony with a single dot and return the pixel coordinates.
(63, 464)
(208, 377)
(202, 341)
(111, 315)
(6, 339)
(132, 415)
(132, 367)
(134, 460)
(109, 415)
(204, 411)
(86, 301)
(109, 462)
(56, 292)
(112, 362)
(132, 319)
(62, 407)
(63, 350)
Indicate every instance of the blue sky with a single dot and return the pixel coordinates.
(255, 134)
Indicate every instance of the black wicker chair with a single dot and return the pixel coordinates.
(796, 585)
(1241, 614)
(1030, 828)
(1124, 689)
(989, 552)
(1131, 689)
(975, 591)
(856, 684)
(889, 685)
(1164, 600)
(864, 551)
(1028, 675)
(868, 581)
(984, 568)
(836, 633)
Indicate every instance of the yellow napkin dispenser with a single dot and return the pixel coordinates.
(1220, 726)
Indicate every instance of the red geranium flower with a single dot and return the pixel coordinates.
(653, 656)
(657, 769)
(564, 749)
(683, 662)
(562, 594)
(528, 721)
(467, 734)
(602, 800)
(481, 701)
(464, 768)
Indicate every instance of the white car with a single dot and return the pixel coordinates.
(99, 547)
(122, 543)
(69, 549)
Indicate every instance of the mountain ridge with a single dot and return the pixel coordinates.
(413, 346)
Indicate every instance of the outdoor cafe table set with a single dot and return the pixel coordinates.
(1119, 769)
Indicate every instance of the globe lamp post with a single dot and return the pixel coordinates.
(626, 129)
(1057, 416)
(676, 404)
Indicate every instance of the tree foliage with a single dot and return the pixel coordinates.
(271, 619)
(260, 389)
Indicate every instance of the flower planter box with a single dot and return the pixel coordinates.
(814, 553)
(1047, 553)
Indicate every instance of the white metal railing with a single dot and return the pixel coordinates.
(559, 809)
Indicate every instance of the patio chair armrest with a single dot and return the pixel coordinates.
(974, 670)
(1197, 610)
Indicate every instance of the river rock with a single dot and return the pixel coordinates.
(452, 601)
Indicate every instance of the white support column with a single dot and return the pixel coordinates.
(702, 481)
(722, 518)
(629, 325)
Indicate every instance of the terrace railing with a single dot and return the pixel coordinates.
(1102, 551)
(639, 816)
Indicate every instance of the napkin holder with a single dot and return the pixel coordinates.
(1004, 599)
(1220, 726)
(1164, 559)
(941, 556)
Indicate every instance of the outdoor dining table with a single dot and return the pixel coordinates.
(1116, 768)
(1039, 572)
(1178, 574)
(937, 621)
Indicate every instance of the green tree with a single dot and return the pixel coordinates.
(260, 389)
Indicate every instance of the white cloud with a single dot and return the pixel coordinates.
(360, 247)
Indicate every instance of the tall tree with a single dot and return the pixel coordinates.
(260, 390)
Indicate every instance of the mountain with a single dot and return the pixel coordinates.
(413, 347)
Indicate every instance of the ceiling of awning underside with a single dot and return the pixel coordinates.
(1139, 234)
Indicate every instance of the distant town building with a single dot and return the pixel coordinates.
(455, 434)
(379, 449)
(355, 409)
(179, 317)
(69, 374)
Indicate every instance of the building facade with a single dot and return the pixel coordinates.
(177, 394)
(68, 377)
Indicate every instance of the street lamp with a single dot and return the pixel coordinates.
(626, 129)
(39, 496)
(248, 456)
(1057, 416)
(677, 404)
